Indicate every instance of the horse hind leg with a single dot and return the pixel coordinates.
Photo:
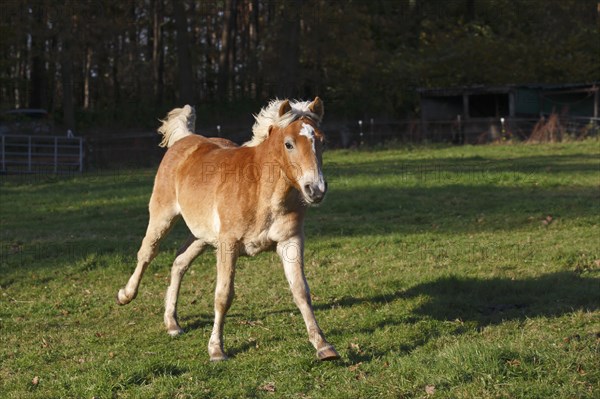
(185, 256)
(159, 225)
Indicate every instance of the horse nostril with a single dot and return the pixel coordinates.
(308, 189)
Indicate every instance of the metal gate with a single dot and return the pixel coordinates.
(41, 154)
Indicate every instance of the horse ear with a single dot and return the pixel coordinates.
(285, 107)
(316, 107)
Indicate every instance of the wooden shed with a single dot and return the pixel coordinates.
(477, 108)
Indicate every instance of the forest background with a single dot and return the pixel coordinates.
(113, 63)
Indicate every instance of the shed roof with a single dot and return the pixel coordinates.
(503, 89)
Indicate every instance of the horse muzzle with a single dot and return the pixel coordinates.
(315, 192)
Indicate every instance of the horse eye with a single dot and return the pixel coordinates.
(289, 145)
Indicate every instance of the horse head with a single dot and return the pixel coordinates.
(301, 148)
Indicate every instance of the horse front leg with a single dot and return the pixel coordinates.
(291, 253)
(227, 254)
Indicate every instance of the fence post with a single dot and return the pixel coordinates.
(3, 156)
(29, 153)
(55, 155)
(361, 141)
(460, 129)
(80, 154)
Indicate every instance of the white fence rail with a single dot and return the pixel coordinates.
(32, 154)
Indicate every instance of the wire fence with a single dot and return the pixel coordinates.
(458, 131)
(43, 154)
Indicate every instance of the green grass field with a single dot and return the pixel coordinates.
(451, 272)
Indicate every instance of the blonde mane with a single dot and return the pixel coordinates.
(269, 116)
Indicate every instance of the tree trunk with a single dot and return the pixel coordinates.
(225, 55)
(52, 66)
(66, 60)
(38, 91)
(186, 80)
(158, 65)
(209, 61)
(470, 10)
(116, 85)
(289, 48)
(232, 51)
(255, 86)
(86, 79)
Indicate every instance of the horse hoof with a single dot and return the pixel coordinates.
(218, 358)
(122, 299)
(175, 332)
(327, 353)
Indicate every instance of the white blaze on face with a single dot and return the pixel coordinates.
(309, 132)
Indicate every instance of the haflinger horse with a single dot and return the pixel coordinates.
(241, 200)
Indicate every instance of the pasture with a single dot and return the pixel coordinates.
(442, 272)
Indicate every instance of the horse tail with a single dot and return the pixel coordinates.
(180, 122)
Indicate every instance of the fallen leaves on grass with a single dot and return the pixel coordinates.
(252, 323)
(267, 387)
(354, 367)
(574, 337)
(430, 390)
(356, 348)
(547, 220)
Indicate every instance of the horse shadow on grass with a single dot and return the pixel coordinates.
(472, 303)
(193, 323)
(196, 322)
